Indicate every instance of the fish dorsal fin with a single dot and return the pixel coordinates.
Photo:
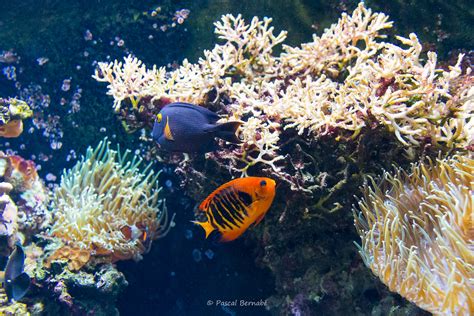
(211, 116)
(205, 204)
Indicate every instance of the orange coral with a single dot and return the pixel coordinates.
(12, 129)
(26, 168)
(76, 257)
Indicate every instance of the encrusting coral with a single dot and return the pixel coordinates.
(417, 234)
(28, 192)
(76, 257)
(107, 206)
(8, 220)
(340, 84)
(12, 112)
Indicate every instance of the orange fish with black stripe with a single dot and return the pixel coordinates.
(236, 205)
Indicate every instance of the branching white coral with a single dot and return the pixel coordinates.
(131, 80)
(338, 45)
(336, 85)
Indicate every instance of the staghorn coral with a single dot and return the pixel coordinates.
(417, 234)
(341, 84)
(12, 112)
(107, 206)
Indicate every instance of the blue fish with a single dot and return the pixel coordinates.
(15, 281)
(189, 128)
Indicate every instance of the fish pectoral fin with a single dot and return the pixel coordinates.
(167, 131)
(206, 226)
(19, 286)
(258, 220)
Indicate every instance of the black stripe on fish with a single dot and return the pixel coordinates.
(225, 214)
(221, 202)
(211, 220)
(245, 198)
(229, 198)
(219, 221)
(234, 197)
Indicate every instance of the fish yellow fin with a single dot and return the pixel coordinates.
(206, 226)
(168, 134)
(259, 219)
(230, 236)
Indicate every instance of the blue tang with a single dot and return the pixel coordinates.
(189, 128)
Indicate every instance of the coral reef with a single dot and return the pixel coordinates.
(341, 84)
(12, 112)
(318, 118)
(107, 206)
(28, 192)
(11, 309)
(8, 220)
(76, 258)
(417, 232)
(60, 290)
(105, 209)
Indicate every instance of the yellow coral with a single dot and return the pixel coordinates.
(11, 308)
(12, 112)
(417, 234)
(102, 197)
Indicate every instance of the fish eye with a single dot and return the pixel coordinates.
(159, 117)
(263, 183)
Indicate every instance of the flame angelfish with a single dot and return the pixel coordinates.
(233, 207)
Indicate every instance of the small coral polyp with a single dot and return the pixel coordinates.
(103, 198)
(417, 234)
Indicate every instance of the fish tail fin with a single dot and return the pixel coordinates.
(19, 286)
(206, 226)
(228, 131)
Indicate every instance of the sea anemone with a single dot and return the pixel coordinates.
(106, 205)
(417, 234)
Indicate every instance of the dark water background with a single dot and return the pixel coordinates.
(170, 280)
